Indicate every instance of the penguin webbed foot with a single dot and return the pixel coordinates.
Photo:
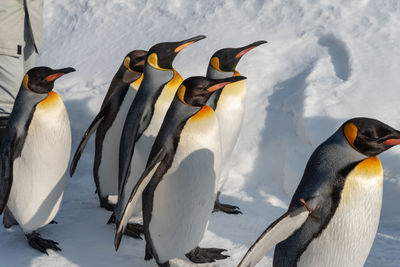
(53, 222)
(226, 208)
(134, 230)
(41, 244)
(206, 255)
(106, 204)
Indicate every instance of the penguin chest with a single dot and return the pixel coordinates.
(230, 111)
(39, 173)
(184, 198)
(108, 167)
(348, 237)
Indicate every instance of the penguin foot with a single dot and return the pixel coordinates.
(134, 230)
(104, 203)
(226, 208)
(41, 244)
(53, 222)
(8, 219)
(206, 255)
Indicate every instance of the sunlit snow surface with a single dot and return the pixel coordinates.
(324, 63)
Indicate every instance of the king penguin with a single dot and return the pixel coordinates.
(108, 126)
(229, 106)
(179, 181)
(334, 213)
(34, 155)
(146, 114)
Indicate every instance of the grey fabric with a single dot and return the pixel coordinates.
(13, 29)
(13, 68)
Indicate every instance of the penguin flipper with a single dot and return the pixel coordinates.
(86, 136)
(6, 174)
(121, 213)
(278, 231)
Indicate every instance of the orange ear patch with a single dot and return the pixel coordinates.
(52, 99)
(350, 132)
(215, 63)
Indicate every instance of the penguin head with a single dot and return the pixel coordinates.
(195, 91)
(226, 59)
(40, 80)
(161, 55)
(133, 64)
(369, 136)
(134, 61)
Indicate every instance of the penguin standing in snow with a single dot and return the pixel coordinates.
(229, 105)
(178, 183)
(108, 126)
(34, 155)
(334, 214)
(145, 116)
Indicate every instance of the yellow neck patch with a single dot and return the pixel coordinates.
(152, 60)
(181, 93)
(203, 113)
(215, 63)
(136, 84)
(51, 100)
(350, 132)
(369, 167)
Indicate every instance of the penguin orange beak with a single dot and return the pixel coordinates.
(188, 42)
(249, 47)
(58, 74)
(224, 82)
(392, 142)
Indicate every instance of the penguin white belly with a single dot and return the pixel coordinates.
(184, 199)
(348, 238)
(230, 112)
(39, 174)
(108, 167)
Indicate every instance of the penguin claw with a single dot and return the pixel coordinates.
(226, 208)
(134, 230)
(41, 244)
(206, 255)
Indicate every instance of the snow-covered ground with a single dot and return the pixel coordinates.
(326, 61)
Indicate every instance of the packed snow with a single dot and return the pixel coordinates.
(325, 62)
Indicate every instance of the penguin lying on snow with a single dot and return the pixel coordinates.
(334, 214)
(228, 105)
(108, 126)
(34, 155)
(144, 118)
(179, 181)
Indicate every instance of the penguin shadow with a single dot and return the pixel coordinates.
(284, 144)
